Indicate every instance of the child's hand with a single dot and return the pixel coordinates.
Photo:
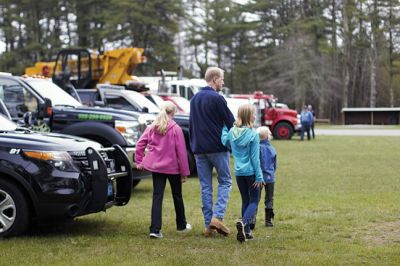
(139, 167)
(258, 184)
(183, 179)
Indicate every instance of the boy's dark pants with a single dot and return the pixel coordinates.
(159, 181)
(269, 195)
(268, 203)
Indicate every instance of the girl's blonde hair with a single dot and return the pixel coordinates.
(161, 121)
(245, 113)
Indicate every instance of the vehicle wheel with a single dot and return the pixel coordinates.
(135, 182)
(192, 163)
(14, 211)
(283, 130)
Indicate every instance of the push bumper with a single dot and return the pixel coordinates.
(111, 182)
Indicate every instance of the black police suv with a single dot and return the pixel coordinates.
(53, 176)
(52, 109)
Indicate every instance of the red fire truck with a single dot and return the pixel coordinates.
(283, 122)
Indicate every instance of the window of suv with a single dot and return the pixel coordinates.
(17, 99)
(48, 89)
(118, 102)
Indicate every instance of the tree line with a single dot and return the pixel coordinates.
(328, 53)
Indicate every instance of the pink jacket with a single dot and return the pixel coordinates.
(166, 153)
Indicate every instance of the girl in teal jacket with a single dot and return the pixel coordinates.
(245, 144)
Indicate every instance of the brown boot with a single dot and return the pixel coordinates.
(208, 232)
(219, 225)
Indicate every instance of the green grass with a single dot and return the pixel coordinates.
(336, 202)
(333, 126)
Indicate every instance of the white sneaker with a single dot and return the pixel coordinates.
(187, 229)
(155, 235)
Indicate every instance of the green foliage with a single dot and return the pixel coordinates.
(36, 30)
(260, 44)
(148, 24)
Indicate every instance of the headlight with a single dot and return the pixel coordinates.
(58, 159)
(130, 130)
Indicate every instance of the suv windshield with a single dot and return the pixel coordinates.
(182, 103)
(6, 125)
(48, 89)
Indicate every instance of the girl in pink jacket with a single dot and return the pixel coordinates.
(166, 158)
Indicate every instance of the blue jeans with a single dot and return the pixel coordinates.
(305, 128)
(250, 198)
(205, 164)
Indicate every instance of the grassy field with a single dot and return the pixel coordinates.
(337, 202)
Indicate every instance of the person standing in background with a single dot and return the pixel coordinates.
(312, 121)
(305, 119)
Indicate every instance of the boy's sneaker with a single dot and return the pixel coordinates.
(219, 225)
(249, 236)
(156, 235)
(187, 229)
(241, 237)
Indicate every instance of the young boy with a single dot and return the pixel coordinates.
(268, 167)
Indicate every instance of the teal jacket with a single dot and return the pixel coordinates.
(245, 145)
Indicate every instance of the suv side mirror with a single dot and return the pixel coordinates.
(45, 109)
(145, 109)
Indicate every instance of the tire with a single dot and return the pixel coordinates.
(283, 130)
(14, 210)
(135, 182)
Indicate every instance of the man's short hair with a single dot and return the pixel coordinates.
(213, 73)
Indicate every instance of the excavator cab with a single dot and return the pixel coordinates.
(73, 67)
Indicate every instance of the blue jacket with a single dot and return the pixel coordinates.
(208, 114)
(245, 145)
(306, 118)
(268, 161)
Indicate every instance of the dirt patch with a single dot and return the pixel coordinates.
(381, 233)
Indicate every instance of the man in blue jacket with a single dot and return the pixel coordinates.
(208, 115)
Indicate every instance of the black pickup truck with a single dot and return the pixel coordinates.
(52, 109)
(47, 176)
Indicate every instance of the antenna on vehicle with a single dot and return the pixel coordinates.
(180, 72)
(162, 87)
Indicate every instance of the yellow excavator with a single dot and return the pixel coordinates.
(84, 68)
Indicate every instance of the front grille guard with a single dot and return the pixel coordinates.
(102, 176)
